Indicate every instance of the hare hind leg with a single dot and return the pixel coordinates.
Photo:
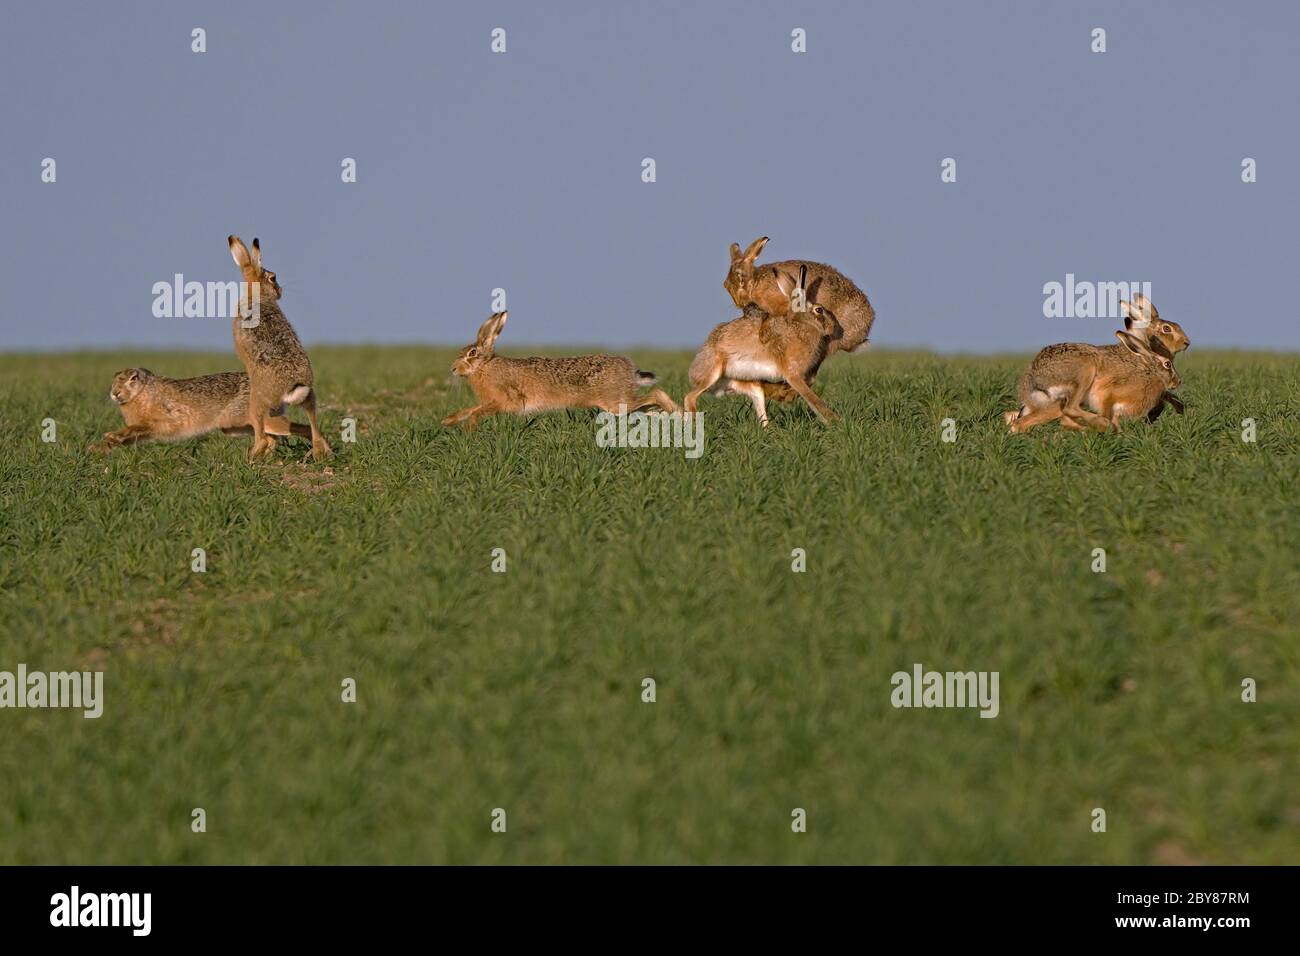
(1084, 419)
(703, 383)
(1045, 409)
(320, 448)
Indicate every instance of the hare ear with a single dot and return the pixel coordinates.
(1134, 315)
(784, 284)
(735, 251)
(239, 252)
(1134, 344)
(755, 248)
(257, 253)
(1159, 348)
(803, 277)
(489, 330)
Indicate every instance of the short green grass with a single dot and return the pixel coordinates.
(522, 690)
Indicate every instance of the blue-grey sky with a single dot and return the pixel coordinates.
(522, 170)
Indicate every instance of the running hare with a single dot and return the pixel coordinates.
(173, 409)
(520, 386)
(1127, 383)
(1141, 320)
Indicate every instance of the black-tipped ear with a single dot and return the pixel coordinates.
(1155, 345)
(735, 251)
(257, 252)
(1128, 321)
(755, 248)
(803, 277)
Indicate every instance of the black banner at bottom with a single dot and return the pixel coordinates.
(364, 904)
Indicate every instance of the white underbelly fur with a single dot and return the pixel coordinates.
(754, 370)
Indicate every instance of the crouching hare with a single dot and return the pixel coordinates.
(1141, 320)
(521, 386)
(1126, 383)
(174, 409)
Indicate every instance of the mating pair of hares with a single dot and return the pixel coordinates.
(788, 328)
(521, 386)
(1129, 380)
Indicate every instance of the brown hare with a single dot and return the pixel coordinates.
(279, 372)
(521, 386)
(173, 409)
(761, 348)
(1119, 384)
(1141, 320)
(748, 284)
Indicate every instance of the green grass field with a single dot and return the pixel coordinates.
(478, 690)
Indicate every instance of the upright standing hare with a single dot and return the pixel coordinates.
(1141, 320)
(1127, 383)
(279, 372)
(520, 386)
(173, 409)
(762, 348)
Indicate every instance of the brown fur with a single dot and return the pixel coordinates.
(760, 348)
(1052, 367)
(521, 386)
(748, 284)
(1128, 383)
(279, 371)
(173, 409)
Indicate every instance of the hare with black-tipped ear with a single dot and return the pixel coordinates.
(279, 371)
(521, 386)
(1142, 319)
(760, 349)
(751, 284)
(1053, 372)
(1128, 385)
(1123, 383)
(156, 408)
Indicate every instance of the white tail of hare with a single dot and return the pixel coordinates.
(761, 348)
(279, 372)
(520, 386)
